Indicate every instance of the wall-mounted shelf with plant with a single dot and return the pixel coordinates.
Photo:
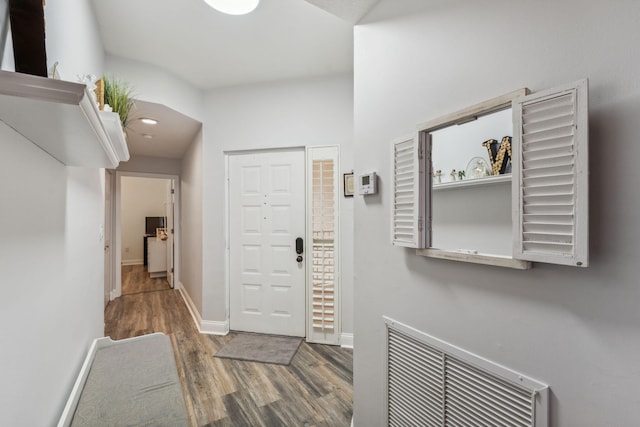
(62, 119)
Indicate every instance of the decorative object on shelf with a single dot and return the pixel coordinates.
(499, 156)
(55, 73)
(348, 184)
(99, 91)
(118, 95)
(477, 168)
(453, 174)
(438, 176)
(89, 80)
(461, 175)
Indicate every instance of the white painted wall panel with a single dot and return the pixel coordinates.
(575, 329)
(191, 225)
(281, 114)
(51, 253)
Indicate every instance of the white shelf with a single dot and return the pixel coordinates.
(475, 258)
(489, 180)
(60, 118)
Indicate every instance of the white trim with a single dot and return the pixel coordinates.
(222, 328)
(211, 327)
(475, 258)
(76, 391)
(132, 262)
(204, 326)
(346, 340)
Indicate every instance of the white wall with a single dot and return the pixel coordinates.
(140, 198)
(575, 329)
(73, 39)
(52, 273)
(154, 84)
(191, 228)
(51, 254)
(146, 164)
(286, 114)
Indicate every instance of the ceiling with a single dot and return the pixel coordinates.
(171, 136)
(280, 40)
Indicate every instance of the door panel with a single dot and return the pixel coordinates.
(267, 214)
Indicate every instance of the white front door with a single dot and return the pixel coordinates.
(266, 216)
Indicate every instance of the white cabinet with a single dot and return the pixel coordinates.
(157, 257)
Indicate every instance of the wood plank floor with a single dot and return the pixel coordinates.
(315, 390)
(135, 279)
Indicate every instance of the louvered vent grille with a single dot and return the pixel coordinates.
(323, 217)
(404, 203)
(548, 175)
(415, 383)
(475, 397)
(429, 386)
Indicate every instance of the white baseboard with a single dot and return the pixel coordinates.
(214, 328)
(346, 340)
(204, 326)
(132, 262)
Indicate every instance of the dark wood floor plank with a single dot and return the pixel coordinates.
(315, 390)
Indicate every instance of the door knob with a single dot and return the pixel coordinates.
(299, 259)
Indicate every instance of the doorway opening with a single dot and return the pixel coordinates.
(146, 237)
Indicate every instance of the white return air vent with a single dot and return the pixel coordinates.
(432, 383)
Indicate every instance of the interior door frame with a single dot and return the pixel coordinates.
(117, 240)
(227, 224)
(109, 220)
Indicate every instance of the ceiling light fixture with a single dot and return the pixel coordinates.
(147, 136)
(148, 121)
(233, 7)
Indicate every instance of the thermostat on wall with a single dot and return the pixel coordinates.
(367, 183)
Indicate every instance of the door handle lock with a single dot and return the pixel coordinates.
(299, 258)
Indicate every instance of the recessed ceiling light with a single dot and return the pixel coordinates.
(148, 121)
(147, 136)
(233, 7)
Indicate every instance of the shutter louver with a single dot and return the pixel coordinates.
(323, 318)
(551, 176)
(408, 194)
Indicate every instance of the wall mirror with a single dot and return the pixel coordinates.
(469, 180)
(453, 200)
(471, 207)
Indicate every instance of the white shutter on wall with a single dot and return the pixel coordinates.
(323, 322)
(550, 176)
(408, 207)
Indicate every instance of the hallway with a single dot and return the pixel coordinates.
(135, 280)
(315, 390)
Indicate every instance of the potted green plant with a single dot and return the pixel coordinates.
(119, 96)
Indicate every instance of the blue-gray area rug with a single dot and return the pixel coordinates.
(261, 348)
